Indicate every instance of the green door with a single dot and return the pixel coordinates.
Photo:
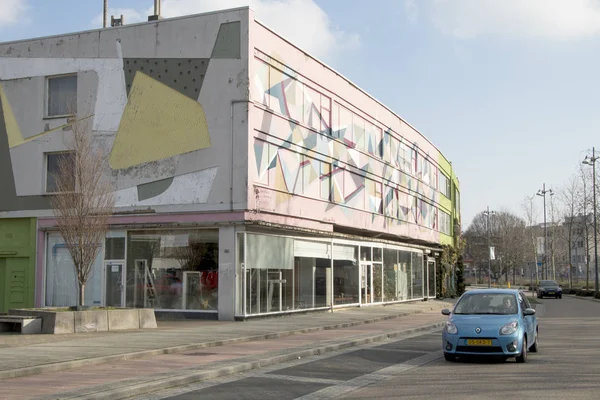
(2, 284)
(14, 278)
(17, 263)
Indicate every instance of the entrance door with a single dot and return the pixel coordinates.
(115, 276)
(430, 292)
(366, 283)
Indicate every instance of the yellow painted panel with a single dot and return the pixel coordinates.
(158, 122)
(15, 137)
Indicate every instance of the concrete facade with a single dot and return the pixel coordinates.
(215, 121)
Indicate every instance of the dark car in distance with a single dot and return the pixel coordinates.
(549, 289)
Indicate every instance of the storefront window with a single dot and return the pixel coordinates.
(390, 271)
(404, 275)
(269, 273)
(61, 282)
(345, 274)
(312, 274)
(173, 269)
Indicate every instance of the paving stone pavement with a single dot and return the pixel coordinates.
(122, 364)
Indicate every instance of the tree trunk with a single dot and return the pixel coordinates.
(81, 292)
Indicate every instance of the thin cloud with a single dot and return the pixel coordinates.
(303, 22)
(12, 12)
(545, 19)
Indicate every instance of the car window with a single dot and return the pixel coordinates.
(523, 301)
(487, 303)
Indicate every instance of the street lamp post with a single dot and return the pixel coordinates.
(488, 213)
(542, 193)
(592, 160)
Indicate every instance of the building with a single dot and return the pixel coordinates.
(250, 178)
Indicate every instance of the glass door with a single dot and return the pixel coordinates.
(366, 271)
(115, 293)
(431, 278)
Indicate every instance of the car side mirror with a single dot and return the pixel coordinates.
(529, 311)
(446, 311)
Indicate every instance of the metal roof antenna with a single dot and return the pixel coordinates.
(156, 15)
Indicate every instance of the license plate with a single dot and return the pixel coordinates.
(479, 342)
(550, 292)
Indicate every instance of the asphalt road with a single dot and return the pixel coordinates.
(567, 366)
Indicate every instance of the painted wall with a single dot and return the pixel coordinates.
(17, 263)
(165, 99)
(322, 149)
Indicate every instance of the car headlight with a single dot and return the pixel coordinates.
(451, 328)
(509, 328)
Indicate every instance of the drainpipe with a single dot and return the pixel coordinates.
(105, 13)
(232, 136)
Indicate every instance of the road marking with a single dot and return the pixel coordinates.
(369, 379)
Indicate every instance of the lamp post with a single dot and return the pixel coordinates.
(488, 213)
(592, 161)
(542, 192)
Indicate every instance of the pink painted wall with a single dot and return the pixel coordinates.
(321, 149)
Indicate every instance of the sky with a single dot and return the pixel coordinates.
(508, 90)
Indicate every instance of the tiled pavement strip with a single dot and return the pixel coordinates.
(124, 364)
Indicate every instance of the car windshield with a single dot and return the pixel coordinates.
(487, 303)
(548, 283)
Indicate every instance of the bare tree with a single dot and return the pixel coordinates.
(570, 197)
(530, 217)
(84, 200)
(508, 236)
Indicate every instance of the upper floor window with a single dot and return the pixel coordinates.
(444, 184)
(62, 95)
(61, 164)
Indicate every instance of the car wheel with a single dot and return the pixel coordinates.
(521, 358)
(534, 346)
(449, 357)
(540, 296)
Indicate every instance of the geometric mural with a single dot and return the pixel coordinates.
(368, 164)
(158, 123)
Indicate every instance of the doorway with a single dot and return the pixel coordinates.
(115, 289)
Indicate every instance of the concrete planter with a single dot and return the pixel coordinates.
(57, 322)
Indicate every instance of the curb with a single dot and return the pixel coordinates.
(588, 298)
(155, 385)
(65, 365)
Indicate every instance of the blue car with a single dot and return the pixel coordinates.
(490, 322)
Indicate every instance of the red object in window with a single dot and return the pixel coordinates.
(203, 278)
(212, 280)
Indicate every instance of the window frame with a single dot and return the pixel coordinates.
(46, 172)
(47, 95)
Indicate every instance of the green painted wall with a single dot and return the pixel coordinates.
(17, 263)
(449, 204)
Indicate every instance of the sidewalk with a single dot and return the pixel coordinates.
(124, 364)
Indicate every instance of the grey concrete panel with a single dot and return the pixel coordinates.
(91, 321)
(228, 43)
(147, 318)
(9, 200)
(145, 173)
(80, 45)
(153, 189)
(123, 319)
(182, 74)
(87, 92)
